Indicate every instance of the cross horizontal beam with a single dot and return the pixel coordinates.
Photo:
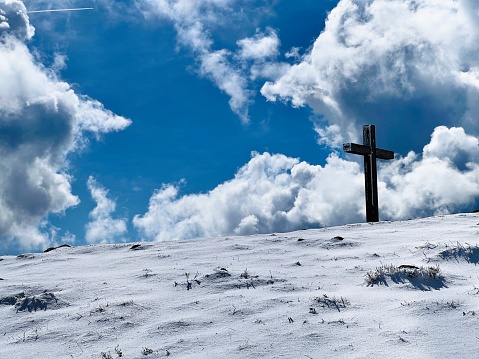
(363, 150)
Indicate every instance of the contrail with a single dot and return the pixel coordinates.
(57, 10)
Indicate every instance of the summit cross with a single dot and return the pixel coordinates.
(370, 153)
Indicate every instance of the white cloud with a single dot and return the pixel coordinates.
(260, 46)
(59, 62)
(444, 180)
(195, 21)
(103, 228)
(14, 20)
(216, 66)
(257, 56)
(274, 193)
(293, 53)
(451, 143)
(42, 120)
(270, 193)
(393, 62)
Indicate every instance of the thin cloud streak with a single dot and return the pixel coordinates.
(58, 10)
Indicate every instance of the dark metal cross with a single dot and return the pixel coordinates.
(370, 153)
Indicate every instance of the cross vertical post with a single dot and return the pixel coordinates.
(370, 153)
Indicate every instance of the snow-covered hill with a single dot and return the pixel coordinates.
(385, 290)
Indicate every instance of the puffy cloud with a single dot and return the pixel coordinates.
(260, 46)
(14, 20)
(270, 193)
(274, 193)
(42, 120)
(445, 179)
(452, 143)
(103, 228)
(390, 62)
(257, 56)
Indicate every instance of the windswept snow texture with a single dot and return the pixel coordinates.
(386, 290)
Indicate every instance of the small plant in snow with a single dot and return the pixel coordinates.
(459, 251)
(118, 351)
(146, 351)
(106, 355)
(245, 274)
(399, 274)
(189, 283)
(378, 276)
(330, 302)
(98, 309)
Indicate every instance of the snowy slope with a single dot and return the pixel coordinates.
(292, 295)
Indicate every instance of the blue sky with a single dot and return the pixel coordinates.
(227, 117)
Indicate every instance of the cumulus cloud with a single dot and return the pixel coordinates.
(444, 180)
(270, 193)
(103, 228)
(392, 63)
(257, 56)
(14, 20)
(260, 46)
(42, 120)
(274, 193)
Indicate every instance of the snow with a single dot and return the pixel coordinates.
(303, 294)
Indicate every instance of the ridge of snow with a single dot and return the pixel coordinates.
(302, 294)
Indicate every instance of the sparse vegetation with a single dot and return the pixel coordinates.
(189, 283)
(245, 274)
(330, 302)
(127, 303)
(118, 351)
(226, 296)
(422, 277)
(98, 309)
(459, 251)
(147, 273)
(427, 245)
(146, 351)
